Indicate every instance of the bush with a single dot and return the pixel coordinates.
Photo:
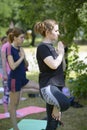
(79, 69)
(79, 86)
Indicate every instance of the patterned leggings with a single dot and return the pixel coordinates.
(53, 96)
(6, 92)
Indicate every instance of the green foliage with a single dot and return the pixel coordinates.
(80, 86)
(30, 12)
(82, 14)
(79, 80)
(25, 13)
(9, 12)
(65, 12)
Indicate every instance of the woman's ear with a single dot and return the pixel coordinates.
(47, 32)
(15, 38)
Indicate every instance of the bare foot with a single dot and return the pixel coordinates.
(56, 114)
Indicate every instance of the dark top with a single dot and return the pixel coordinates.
(19, 72)
(47, 75)
(17, 77)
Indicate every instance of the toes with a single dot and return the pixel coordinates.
(59, 116)
(55, 117)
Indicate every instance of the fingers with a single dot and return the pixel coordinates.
(60, 45)
(60, 48)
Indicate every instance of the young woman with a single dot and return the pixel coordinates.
(17, 76)
(51, 78)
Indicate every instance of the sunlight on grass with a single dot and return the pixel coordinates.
(82, 48)
(32, 76)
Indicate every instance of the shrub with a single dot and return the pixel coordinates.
(79, 69)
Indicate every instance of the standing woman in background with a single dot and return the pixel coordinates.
(1, 67)
(2, 40)
(51, 77)
(17, 76)
(6, 71)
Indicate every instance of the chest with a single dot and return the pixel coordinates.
(15, 54)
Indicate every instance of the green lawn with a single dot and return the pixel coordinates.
(73, 118)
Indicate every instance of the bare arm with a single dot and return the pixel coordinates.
(13, 65)
(3, 56)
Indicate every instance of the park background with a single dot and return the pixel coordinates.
(72, 18)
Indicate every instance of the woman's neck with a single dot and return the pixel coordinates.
(46, 40)
(15, 45)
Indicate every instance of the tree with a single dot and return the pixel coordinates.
(25, 13)
(82, 14)
(30, 12)
(8, 13)
(64, 11)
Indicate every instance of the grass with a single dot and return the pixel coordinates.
(73, 118)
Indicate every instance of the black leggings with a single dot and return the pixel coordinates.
(51, 122)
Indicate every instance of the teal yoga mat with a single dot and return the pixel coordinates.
(31, 124)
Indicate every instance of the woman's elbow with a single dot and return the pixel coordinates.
(54, 66)
(12, 67)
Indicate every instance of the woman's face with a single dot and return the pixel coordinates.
(19, 39)
(53, 35)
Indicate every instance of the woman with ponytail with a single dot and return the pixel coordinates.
(17, 77)
(51, 77)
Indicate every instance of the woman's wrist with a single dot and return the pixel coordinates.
(22, 58)
(61, 55)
